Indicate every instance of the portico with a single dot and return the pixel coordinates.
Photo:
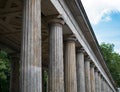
(55, 35)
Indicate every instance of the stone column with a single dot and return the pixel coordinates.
(96, 80)
(102, 85)
(107, 87)
(118, 89)
(14, 76)
(80, 70)
(111, 90)
(56, 74)
(92, 77)
(70, 66)
(30, 67)
(87, 75)
(99, 83)
(43, 87)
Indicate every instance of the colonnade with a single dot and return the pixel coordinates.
(70, 70)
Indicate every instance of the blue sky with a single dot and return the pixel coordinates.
(104, 16)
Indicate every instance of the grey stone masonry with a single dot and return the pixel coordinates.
(70, 66)
(87, 75)
(118, 89)
(80, 70)
(107, 87)
(96, 80)
(99, 82)
(30, 65)
(102, 84)
(56, 73)
(92, 77)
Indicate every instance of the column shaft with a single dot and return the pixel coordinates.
(87, 76)
(14, 77)
(30, 68)
(92, 78)
(107, 87)
(102, 85)
(99, 79)
(56, 74)
(80, 71)
(70, 67)
(96, 81)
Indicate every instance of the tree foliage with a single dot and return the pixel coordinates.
(112, 59)
(4, 72)
(45, 81)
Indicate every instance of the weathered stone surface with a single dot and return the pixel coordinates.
(118, 89)
(96, 80)
(107, 87)
(99, 79)
(56, 74)
(92, 77)
(30, 67)
(70, 67)
(102, 84)
(80, 71)
(87, 76)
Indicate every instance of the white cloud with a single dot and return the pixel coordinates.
(100, 10)
(117, 49)
(107, 18)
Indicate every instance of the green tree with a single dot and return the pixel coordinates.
(4, 72)
(112, 59)
(45, 81)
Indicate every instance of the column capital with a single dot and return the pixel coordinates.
(92, 64)
(70, 38)
(55, 19)
(80, 50)
(102, 77)
(99, 73)
(88, 59)
(96, 69)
